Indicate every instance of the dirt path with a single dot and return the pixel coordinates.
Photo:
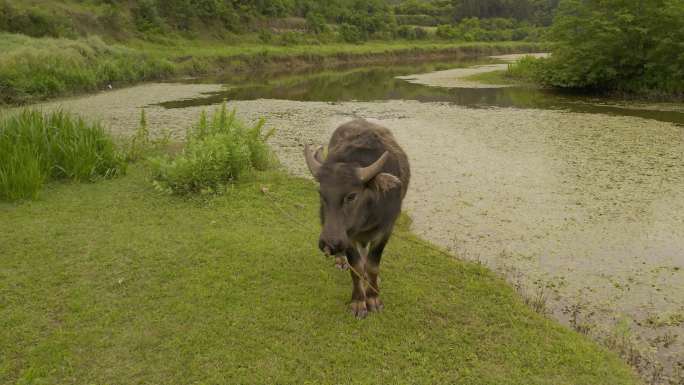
(584, 210)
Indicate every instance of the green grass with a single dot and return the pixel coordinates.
(38, 68)
(35, 147)
(494, 77)
(219, 150)
(113, 283)
(522, 72)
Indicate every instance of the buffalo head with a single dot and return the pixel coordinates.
(349, 195)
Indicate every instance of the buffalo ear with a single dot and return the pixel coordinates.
(385, 182)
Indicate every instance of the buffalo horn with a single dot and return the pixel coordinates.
(311, 161)
(368, 173)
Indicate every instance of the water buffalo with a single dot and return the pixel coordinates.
(363, 181)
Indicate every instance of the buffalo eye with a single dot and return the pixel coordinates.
(351, 197)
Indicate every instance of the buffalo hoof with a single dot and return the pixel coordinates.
(374, 304)
(341, 263)
(358, 308)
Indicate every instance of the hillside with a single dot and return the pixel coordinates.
(357, 19)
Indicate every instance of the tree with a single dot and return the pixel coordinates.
(618, 44)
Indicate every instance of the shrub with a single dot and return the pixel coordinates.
(219, 150)
(420, 33)
(447, 32)
(36, 147)
(423, 20)
(350, 33)
(618, 45)
(265, 35)
(34, 22)
(520, 34)
(146, 16)
(527, 68)
(315, 23)
(291, 38)
(412, 33)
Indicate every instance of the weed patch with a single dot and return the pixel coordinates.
(36, 147)
(219, 150)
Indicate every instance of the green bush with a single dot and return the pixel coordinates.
(420, 33)
(265, 35)
(315, 23)
(351, 33)
(497, 29)
(36, 147)
(34, 22)
(290, 38)
(423, 20)
(146, 16)
(527, 69)
(219, 150)
(618, 45)
(412, 33)
(447, 32)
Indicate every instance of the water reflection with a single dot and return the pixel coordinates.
(379, 83)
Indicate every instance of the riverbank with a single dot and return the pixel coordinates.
(481, 76)
(33, 69)
(534, 194)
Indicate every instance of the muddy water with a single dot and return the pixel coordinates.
(575, 201)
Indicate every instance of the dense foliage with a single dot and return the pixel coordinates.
(354, 20)
(624, 45)
(36, 147)
(493, 29)
(434, 12)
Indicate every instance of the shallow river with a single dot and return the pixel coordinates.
(578, 201)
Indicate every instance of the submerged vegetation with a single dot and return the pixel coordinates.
(36, 147)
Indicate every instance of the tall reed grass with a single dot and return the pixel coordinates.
(528, 69)
(219, 150)
(33, 68)
(36, 147)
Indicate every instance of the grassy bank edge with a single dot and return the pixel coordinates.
(32, 69)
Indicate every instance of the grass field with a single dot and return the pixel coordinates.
(113, 283)
(494, 77)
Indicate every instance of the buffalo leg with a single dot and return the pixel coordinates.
(358, 300)
(373, 302)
